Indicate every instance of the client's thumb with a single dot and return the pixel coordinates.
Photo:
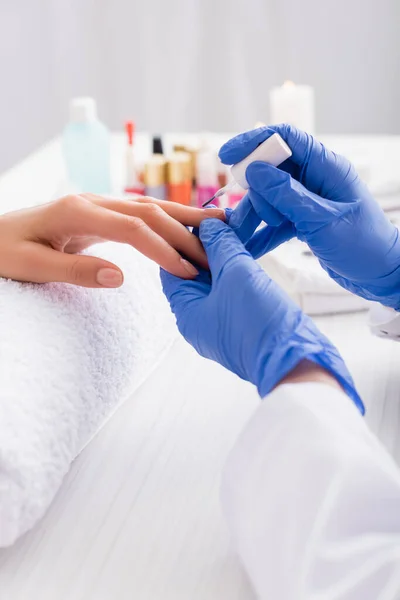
(88, 271)
(85, 271)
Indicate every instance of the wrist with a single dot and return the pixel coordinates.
(305, 355)
(306, 371)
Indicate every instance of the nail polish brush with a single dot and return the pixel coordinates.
(273, 151)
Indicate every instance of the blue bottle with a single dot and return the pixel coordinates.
(86, 148)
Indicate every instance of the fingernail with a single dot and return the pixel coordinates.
(217, 213)
(109, 278)
(189, 268)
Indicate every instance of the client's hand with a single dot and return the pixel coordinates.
(39, 244)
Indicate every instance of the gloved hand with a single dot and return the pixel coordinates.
(317, 196)
(239, 317)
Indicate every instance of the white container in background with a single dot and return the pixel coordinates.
(294, 104)
(86, 148)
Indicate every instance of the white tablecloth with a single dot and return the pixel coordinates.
(138, 515)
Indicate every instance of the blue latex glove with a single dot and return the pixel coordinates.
(317, 196)
(240, 318)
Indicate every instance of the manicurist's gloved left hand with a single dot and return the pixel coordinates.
(240, 318)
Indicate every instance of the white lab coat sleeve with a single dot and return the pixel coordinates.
(312, 500)
(384, 322)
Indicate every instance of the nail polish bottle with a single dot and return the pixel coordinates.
(155, 175)
(133, 184)
(157, 145)
(234, 197)
(222, 175)
(193, 158)
(179, 178)
(206, 176)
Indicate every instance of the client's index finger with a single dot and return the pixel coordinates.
(187, 215)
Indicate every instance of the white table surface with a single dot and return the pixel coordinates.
(138, 516)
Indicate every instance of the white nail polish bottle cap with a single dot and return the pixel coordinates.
(273, 151)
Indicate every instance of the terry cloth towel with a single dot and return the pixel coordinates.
(69, 357)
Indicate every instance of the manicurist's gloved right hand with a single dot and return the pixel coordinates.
(237, 316)
(317, 196)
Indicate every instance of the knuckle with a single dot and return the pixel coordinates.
(289, 132)
(69, 203)
(73, 271)
(288, 129)
(151, 211)
(135, 224)
(352, 176)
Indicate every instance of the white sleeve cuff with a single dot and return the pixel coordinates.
(384, 322)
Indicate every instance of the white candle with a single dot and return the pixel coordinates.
(293, 104)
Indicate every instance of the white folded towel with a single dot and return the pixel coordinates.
(296, 269)
(69, 357)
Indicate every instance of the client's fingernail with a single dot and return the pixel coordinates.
(189, 268)
(216, 213)
(109, 278)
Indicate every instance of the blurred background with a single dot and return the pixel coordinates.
(192, 65)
